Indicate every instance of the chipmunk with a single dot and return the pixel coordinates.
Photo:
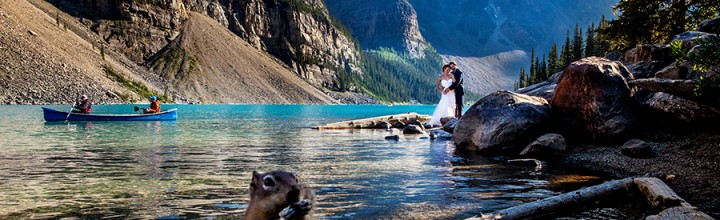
(277, 195)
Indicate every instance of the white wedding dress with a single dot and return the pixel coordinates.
(446, 106)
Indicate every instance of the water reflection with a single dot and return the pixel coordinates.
(200, 166)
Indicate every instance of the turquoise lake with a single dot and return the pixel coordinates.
(201, 165)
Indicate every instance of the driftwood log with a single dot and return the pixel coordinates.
(375, 122)
(658, 194)
(560, 203)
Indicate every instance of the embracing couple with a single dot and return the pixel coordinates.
(451, 101)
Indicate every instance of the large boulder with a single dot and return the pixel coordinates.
(549, 146)
(710, 26)
(680, 108)
(672, 86)
(594, 99)
(649, 52)
(502, 122)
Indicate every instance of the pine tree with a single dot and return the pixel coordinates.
(543, 70)
(538, 74)
(656, 21)
(566, 54)
(553, 59)
(602, 45)
(577, 47)
(523, 75)
(533, 68)
(590, 41)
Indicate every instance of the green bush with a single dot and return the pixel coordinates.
(131, 85)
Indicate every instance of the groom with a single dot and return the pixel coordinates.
(457, 87)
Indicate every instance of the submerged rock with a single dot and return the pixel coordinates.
(502, 121)
(549, 146)
(393, 138)
(440, 134)
(637, 148)
(594, 99)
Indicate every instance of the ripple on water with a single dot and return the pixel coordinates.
(200, 166)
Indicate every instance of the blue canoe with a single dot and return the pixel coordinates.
(55, 115)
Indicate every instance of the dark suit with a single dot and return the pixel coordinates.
(459, 92)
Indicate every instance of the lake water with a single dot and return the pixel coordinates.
(201, 165)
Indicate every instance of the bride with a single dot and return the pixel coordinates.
(446, 106)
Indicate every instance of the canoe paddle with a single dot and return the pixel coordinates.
(71, 107)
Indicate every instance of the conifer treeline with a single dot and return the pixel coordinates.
(590, 43)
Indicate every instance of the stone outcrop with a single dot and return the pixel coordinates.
(680, 108)
(594, 99)
(501, 122)
(548, 146)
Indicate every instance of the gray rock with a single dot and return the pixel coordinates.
(444, 120)
(649, 52)
(680, 108)
(440, 134)
(543, 90)
(449, 126)
(502, 121)
(672, 86)
(672, 71)
(593, 99)
(413, 129)
(549, 146)
(691, 39)
(710, 26)
(646, 69)
(393, 138)
(637, 148)
(416, 122)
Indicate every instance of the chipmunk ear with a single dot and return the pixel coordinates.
(255, 176)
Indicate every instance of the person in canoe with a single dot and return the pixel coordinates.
(154, 106)
(84, 105)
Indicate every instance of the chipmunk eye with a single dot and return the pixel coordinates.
(269, 181)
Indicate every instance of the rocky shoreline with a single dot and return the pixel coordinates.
(627, 116)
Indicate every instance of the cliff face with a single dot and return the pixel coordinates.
(381, 23)
(299, 33)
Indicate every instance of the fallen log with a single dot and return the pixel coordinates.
(375, 122)
(659, 195)
(560, 203)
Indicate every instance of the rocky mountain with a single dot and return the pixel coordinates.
(266, 37)
(490, 39)
(381, 24)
